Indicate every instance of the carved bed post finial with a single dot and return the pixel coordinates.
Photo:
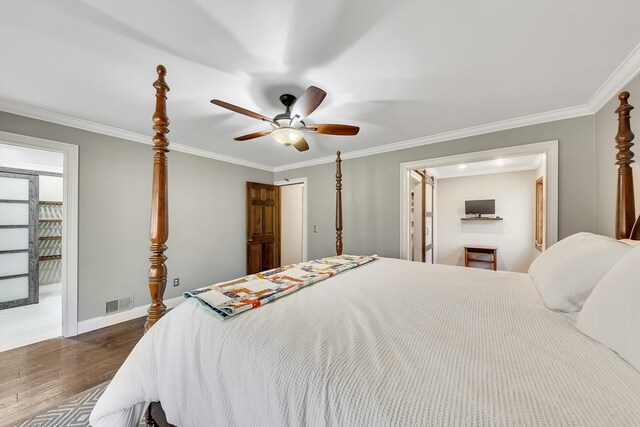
(625, 204)
(159, 224)
(338, 205)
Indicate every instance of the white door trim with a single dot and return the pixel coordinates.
(303, 181)
(69, 222)
(549, 148)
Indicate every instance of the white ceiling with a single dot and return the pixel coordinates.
(399, 69)
(15, 157)
(498, 165)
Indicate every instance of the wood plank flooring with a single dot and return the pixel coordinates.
(43, 375)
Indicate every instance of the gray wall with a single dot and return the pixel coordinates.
(606, 175)
(206, 242)
(207, 215)
(371, 186)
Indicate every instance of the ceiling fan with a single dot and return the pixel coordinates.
(288, 128)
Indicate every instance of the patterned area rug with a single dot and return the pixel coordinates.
(74, 413)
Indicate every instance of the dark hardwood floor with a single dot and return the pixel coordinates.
(43, 375)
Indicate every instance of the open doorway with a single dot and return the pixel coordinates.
(293, 220)
(31, 222)
(543, 227)
(276, 224)
(490, 212)
(68, 273)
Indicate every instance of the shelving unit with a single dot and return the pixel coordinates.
(50, 257)
(481, 219)
(50, 237)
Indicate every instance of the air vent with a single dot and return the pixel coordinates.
(119, 305)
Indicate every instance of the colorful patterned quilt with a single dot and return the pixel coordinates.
(237, 296)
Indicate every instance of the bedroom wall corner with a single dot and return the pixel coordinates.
(207, 217)
(606, 127)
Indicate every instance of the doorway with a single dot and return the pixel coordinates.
(276, 224)
(31, 222)
(550, 151)
(293, 222)
(486, 212)
(24, 153)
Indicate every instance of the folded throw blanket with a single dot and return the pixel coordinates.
(237, 296)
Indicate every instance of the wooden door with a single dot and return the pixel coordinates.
(539, 237)
(263, 227)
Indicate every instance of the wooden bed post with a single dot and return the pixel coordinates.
(159, 224)
(338, 205)
(625, 204)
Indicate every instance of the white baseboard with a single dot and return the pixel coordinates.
(113, 319)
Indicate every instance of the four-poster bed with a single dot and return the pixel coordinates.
(382, 344)
(159, 224)
(627, 225)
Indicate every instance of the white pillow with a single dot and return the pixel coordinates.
(566, 273)
(611, 314)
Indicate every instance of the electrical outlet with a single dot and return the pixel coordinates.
(176, 282)
(315, 228)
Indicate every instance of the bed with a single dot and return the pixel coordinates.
(389, 343)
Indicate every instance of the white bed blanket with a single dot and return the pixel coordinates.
(403, 344)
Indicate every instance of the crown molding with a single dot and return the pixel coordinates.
(531, 165)
(538, 163)
(534, 119)
(621, 76)
(62, 119)
(434, 173)
(220, 157)
(74, 122)
(505, 169)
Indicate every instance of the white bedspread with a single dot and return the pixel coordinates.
(404, 344)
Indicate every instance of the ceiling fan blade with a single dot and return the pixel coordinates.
(308, 102)
(345, 130)
(240, 110)
(302, 145)
(252, 135)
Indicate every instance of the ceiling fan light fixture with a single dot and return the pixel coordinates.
(288, 128)
(287, 135)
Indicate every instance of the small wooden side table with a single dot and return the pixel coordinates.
(472, 251)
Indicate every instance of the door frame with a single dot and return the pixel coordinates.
(69, 221)
(303, 181)
(419, 176)
(548, 148)
(429, 180)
